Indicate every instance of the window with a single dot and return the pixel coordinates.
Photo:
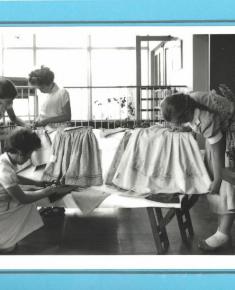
(17, 62)
(113, 67)
(80, 59)
(70, 66)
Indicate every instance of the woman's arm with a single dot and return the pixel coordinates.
(26, 181)
(218, 159)
(15, 119)
(30, 197)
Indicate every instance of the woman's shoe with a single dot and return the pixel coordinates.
(202, 244)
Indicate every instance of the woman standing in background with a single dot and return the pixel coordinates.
(55, 107)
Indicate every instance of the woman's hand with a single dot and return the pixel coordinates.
(215, 187)
(51, 189)
(63, 189)
(40, 124)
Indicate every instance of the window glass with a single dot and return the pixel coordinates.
(18, 39)
(62, 38)
(66, 53)
(17, 63)
(69, 66)
(113, 103)
(113, 38)
(24, 108)
(113, 67)
(79, 100)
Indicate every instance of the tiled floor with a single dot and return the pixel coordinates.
(114, 232)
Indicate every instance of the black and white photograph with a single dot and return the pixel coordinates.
(117, 141)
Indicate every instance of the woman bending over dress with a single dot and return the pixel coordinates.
(212, 116)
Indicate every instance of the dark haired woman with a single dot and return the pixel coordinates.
(212, 116)
(18, 214)
(56, 104)
(8, 93)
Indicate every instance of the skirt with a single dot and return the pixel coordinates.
(157, 160)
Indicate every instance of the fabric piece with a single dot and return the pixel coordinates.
(108, 132)
(76, 159)
(158, 160)
(107, 148)
(89, 199)
(165, 198)
(42, 155)
(66, 190)
(53, 170)
(117, 158)
(16, 220)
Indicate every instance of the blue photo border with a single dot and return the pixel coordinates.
(117, 13)
(118, 279)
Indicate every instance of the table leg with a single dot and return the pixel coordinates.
(158, 229)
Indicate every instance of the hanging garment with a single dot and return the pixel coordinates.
(158, 160)
(42, 155)
(107, 148)
(117, 158)
(75, 159)
(108, 132)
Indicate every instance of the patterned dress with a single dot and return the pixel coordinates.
(158, 160)
(215, 124)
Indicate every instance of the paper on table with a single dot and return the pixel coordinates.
(88, 199)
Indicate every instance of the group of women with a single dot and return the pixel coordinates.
(56, 104)
(209, 114)
(18, 213)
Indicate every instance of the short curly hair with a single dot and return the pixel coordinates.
(42, 76)
(23, 140)
(7, 89)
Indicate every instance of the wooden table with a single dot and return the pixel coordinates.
(158, 220)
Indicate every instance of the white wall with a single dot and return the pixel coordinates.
(201, 80)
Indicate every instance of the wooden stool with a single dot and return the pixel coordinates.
(159, 222)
